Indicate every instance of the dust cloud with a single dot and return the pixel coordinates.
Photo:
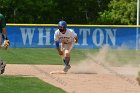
(92, 63)
(105, 58)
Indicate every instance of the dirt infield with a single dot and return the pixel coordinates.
(104, 80)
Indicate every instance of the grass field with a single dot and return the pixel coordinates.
(11, 84)
(50, 56)
(38, 55)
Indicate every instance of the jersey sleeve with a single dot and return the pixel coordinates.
(56, 36)
(73, 33)
(2, 21)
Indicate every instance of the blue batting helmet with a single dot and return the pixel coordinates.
(62, 24)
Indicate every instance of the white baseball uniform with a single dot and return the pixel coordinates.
(67, 39)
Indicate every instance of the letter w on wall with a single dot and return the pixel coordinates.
(27, 33)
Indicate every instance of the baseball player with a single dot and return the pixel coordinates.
(3, 33)
(67, 38)
(6, 41)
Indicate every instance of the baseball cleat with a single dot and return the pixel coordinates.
(2, 66)
(2, 71)
(66, 68)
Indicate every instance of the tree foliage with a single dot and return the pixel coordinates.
(119, 12)
(73, 11)
(51, 11)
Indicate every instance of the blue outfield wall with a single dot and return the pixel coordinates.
(35, 36)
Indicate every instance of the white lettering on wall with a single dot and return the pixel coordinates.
(27, 33)
(97, 37)
(85, 33)
(112, 35)
(101, 36)
(41, 36)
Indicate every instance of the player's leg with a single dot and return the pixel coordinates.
(67, 61)
(2, 66)
(2, 63)
(67, 51)
(66, 54)
(67, 57)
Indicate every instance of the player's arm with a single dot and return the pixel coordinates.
(58, 48)
(4, 34)
(6, 42)
(3, 25)
(57, 43)
(76, 39)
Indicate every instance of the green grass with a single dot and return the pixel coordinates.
(39, 55)
(11, 84)
(50, 56)
(30, 56)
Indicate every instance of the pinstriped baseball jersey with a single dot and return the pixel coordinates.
(67, 37)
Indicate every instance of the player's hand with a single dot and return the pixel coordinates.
(60, 52)
(76, 40)
(5, 44)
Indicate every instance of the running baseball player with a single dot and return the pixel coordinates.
(6, 43)
(67, 38)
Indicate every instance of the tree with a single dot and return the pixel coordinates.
(119, 12)
(52, 11)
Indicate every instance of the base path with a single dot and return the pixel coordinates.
(105, 80)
